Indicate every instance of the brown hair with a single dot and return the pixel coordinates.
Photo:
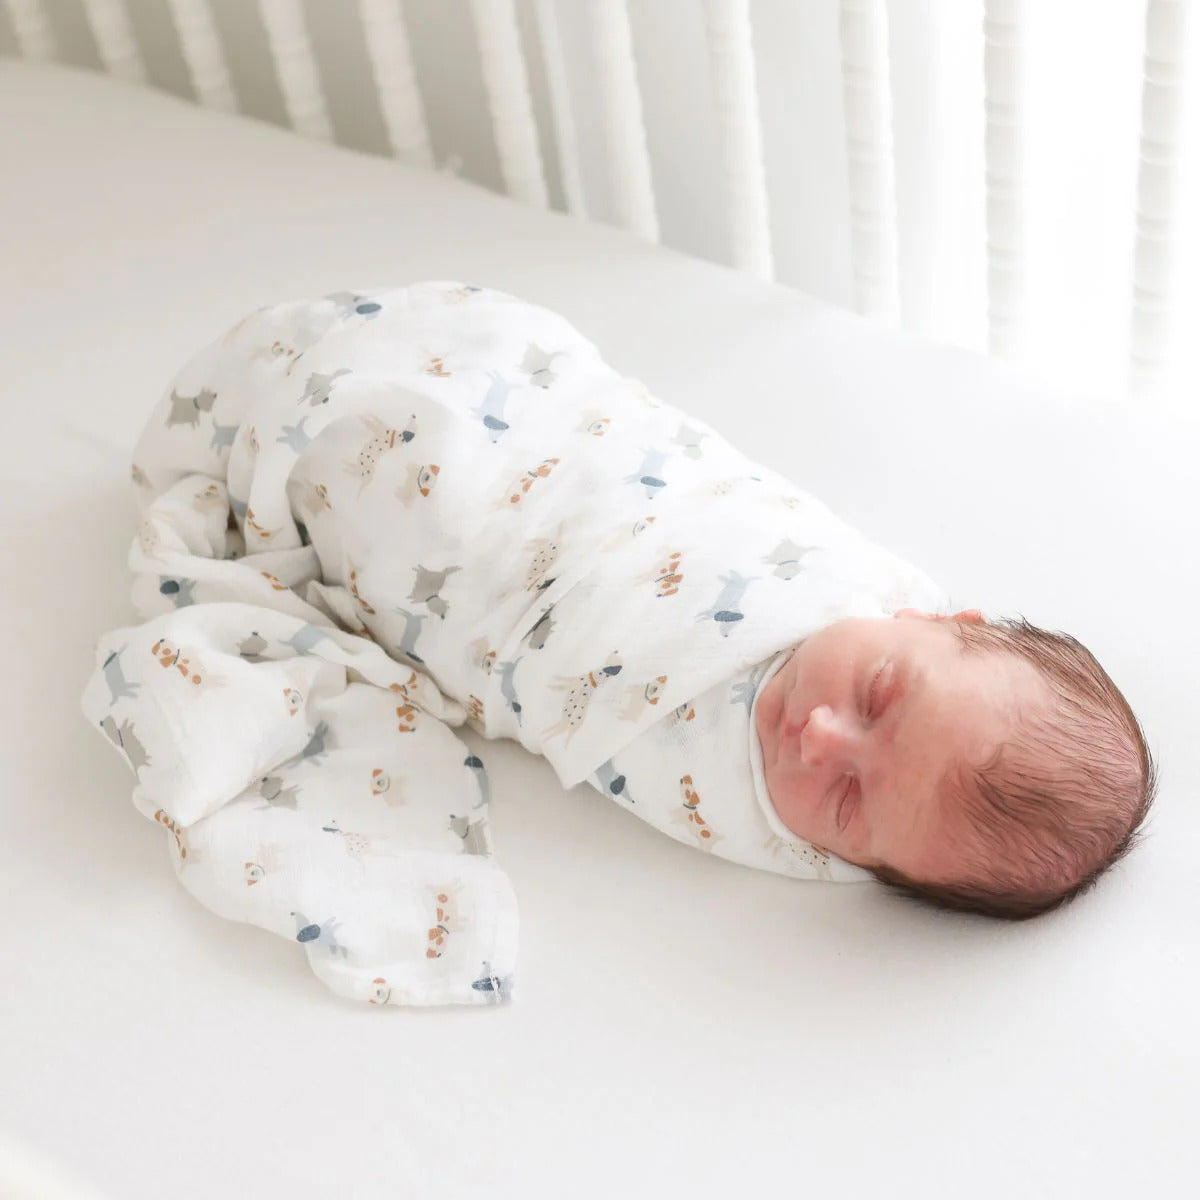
(1057, 806)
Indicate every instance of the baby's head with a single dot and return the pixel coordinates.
(992, 767)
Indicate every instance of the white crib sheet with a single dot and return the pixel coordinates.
(684, 1025)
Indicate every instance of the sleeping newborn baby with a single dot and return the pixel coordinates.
(370, 517)
(985, 766)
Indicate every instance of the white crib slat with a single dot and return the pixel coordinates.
(621, 103)
(296, 67)
(868, 104)
(1158, 171)
(35, 37)
(119, 51)
(507, 82)
(731, 55)
(204, 54)
(565, 138)
(390, 52)
(1004, 158)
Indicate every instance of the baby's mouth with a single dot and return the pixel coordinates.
(789, 737)
(797, 730)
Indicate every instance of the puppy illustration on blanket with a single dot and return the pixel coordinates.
(475, 509)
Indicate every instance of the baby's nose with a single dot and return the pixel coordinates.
(824, 738)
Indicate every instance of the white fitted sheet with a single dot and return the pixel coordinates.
(682, 1025)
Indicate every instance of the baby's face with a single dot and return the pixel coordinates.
(860, 725)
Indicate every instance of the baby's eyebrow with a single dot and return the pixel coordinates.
(898, 687)
(907, 681)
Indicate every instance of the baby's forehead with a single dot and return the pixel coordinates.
(1018, 681)
(942, 652)
(1011, 700)
(978, 700)
(1002, 689)
(975, 701)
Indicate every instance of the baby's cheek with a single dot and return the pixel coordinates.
(858, 844)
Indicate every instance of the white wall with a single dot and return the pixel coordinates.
(1084, 80)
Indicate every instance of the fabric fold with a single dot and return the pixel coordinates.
(370, 516)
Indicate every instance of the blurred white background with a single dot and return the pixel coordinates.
(1083, 74)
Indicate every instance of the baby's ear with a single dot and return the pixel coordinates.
(915, 612)
(971, 615)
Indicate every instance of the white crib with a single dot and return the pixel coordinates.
(682, 1026)
(599, 68)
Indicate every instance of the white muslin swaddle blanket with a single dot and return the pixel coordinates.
(373, 516)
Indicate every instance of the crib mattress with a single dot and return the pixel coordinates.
(682, 1025)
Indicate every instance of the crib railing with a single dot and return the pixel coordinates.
(864, 52)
